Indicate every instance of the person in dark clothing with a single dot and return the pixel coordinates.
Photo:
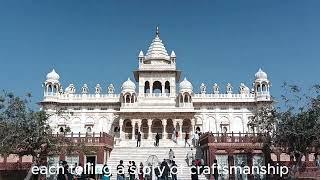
(166, 169)
(215, 169)
(194, 171)
(132, 171)
(139, 139)
(174, 171)
(63, 173)
(120, 171)
(157, 139)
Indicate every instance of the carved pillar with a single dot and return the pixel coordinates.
(151, 87)
(139, 125)
(133, 123)
(121, 133)
(164, 132)
(163, 88)
(149, 128)
(193, 123)
(180, 129)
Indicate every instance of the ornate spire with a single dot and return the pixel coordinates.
(157, 31)
(157, 49)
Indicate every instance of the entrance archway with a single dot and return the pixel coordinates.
(169, 128)
(157, 87)
(156, 127)
(186, 127)
(144, 128)
(127, 128)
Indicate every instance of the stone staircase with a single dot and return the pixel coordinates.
(127, 151)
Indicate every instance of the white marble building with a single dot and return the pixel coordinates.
(156, 100)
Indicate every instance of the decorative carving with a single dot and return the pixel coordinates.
(111, 89)
(203, 88)
(85, 89)
(61, 90)
(244, 89)
(229, 88)
(98, 89)
(215, 88)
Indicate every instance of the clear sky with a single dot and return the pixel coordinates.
(96, 41)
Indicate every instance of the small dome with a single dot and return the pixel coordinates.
(261, 74)
(185, 85)
(53, 76)
(128, 85)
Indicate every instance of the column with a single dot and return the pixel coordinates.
(149, 128)
(193, 123)
(121, 134)
(180, 130)
(164, 133)
(133, 123)
(139, 125)
(163, 88)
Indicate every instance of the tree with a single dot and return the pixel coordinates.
(24, 131)
(294, 127)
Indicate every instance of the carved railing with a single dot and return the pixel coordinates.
(88, 138)
(208, 137)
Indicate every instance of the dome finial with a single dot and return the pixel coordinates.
(157, 31)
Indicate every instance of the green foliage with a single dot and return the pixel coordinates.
(296, 127)
(23, 131)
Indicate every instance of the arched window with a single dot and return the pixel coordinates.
(61, 129)
(264, 87)
(258, 88)
(167, 87)
(127, 98)
(132, 98)
(186, 98)
(147, 87)
(55, 89)
(89, 129)
(157, 87)
(50, 88)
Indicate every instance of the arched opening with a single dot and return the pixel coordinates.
(169, 128)
(264, 88)
(156, 127)
(55, 89)
(144, 128)
(127, 98)
(49, 88)
(147, 87)
(167, 87)
(157, 87)
(132, 98)
(127, 128)
(61, 130)
(186, 127)
(186, 98)
(89, 129)
(258, 88)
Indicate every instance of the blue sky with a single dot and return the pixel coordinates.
(215, 41)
